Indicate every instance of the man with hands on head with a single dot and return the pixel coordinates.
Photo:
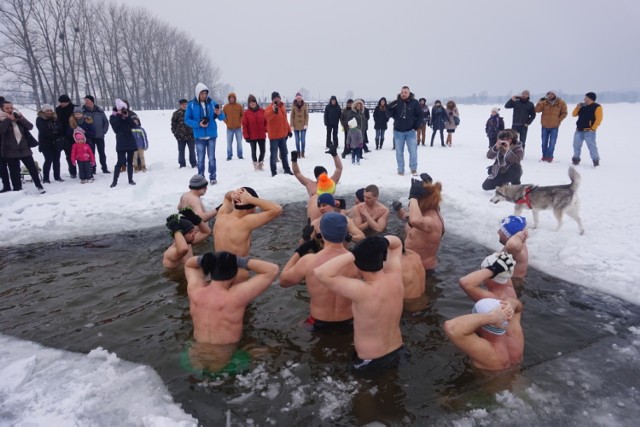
(187, 229)
(377, 300)
(491, 335)
(495, 273)
(192, 199)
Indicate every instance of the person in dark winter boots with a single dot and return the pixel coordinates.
(123, 124)
(332, 113)
(101, 125)
(439, 118)
(407, 117)
(508, 154)
(184, 135)
(254, 130)
(279, 131)
(589, 114)
(50, 142)
(344, 118)
(494, 125)
(380, 121)
(422, 131)
(64, 111)
(523, 114)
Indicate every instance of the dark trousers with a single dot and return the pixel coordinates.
(522, 132)
(84, 169)
(192, 153)
(433, 135)
(124, 157)
(365, 141)
(51, 158)
(257, 143)
(4, 174)
(492, 140)
(276, 145)
(332, 136)
(510, 176)
(67, 153)
(14, 172)
(99, 144)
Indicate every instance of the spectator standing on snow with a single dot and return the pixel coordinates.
(299, 121)
(494, 125)
(380, 121)
(122, 124)
(554, 111)
(50, 142)
(439, 119)
(142, 142)
(233, 118)
(452, 122)
(523, 114)
(426, 118)
(407, 117)
(64, 111)
(344, 118)
(254, 130)
(279, 131)
(184, 135)
(101, 127)
(332, 113)
(589, 114)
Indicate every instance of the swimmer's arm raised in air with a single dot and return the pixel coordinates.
(329, 274)
(301, 178)
(470, 284)
(337, 174)
(417, 220)
(295, 270)
(266, 273)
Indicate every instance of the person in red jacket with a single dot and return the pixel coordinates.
(254, 130)
(279, 131)
(82, 155)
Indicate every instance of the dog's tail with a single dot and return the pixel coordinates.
(575, 178)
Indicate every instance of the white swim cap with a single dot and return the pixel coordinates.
(486, 305)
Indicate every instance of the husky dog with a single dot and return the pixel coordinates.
(563, 199)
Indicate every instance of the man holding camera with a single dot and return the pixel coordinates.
(279, 131)
(201, 115)
(554, 111)
(589, 114)
(523, 114)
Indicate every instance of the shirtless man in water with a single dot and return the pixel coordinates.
(217, 302)
(237, 218)
(413, 274)
(513, 236)
(425, 226)
(193, 199)
(371, 216)
(376, 300)
(187, 229)
(491, 335)
(330, 312)
(327, 203)
(310, 185)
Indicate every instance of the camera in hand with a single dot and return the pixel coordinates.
(16, 114)
(205, 121)
(518, 97)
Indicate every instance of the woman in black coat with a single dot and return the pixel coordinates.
(122, 123)
(380, 121)
(50, 142)
(438, 119)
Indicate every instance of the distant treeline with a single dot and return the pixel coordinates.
(79, 47)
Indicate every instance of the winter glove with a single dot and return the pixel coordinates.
(417, 190)
(307, 231)
(504, 263)
(332, 151)
(207, 262)
(426, 178)
(308, 246)
(243, 261)
(294, 156)
(191, 216)
(342, 203)
(348, 238)
(290, 134)
(396, 205)
(173, 223)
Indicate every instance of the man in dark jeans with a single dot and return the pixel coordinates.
(101, 125)
(184, 135)
(332, 113)
(64, 110)
(523, 114)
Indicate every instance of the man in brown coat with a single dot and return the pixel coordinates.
(554, 111)
(233, 111)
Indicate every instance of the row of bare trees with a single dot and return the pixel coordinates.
(109, 50)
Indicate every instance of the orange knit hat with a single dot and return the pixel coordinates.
(325, 185)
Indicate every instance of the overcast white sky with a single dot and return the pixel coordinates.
(438, 48)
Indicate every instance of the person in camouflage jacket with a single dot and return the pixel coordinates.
(184, 135)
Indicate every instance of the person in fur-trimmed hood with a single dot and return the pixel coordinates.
(50, 142)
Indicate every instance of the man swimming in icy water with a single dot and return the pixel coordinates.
(236, 220)
(330, 312)
(491, 335)
(376, 300)
(217, 302)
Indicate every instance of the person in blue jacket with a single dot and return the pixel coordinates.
(201, 115)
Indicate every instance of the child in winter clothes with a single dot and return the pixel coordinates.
(142, 142)
(494, 125)
(355, 141)
(82, 155)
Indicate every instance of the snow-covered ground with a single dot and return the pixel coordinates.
(604, 258)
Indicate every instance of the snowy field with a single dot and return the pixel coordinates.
(605, 258)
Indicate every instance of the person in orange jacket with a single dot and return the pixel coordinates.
(279, 131)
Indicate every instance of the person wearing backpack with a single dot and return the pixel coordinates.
(494, 125)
